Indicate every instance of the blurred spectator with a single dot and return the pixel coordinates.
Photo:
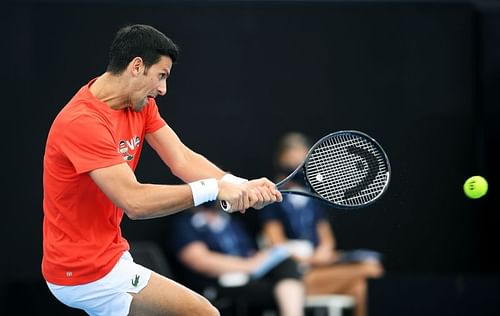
(221, 262)
(302, 223)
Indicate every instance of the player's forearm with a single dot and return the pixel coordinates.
(182, 161)
(150, 200)
(194, 167)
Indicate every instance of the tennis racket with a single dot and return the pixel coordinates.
(345, 169)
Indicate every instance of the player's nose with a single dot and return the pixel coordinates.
(162, 88)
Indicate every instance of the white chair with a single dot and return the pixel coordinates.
(335, 305)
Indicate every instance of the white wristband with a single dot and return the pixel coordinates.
(233, 179)
(204, 190)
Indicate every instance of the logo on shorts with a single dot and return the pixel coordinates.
(135, 281)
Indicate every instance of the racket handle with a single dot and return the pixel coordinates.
(225, 205)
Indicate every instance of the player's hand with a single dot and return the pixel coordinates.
(237, 195)
(263, 192)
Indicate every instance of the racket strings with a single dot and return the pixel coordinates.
(329, 155)
(347, 170)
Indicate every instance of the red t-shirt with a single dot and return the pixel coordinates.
(82, 239)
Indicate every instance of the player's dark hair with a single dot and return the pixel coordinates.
(139, 41)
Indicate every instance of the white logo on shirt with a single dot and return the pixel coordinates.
(125, 145)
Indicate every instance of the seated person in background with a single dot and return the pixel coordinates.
(212, 246)
(305, 219)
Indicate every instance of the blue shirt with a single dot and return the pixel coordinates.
(228, 237)
(299, 216)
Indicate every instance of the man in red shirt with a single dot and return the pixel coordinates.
(92, 150)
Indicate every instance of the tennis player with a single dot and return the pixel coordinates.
(92, 150)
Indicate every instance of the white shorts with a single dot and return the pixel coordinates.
(110, 295)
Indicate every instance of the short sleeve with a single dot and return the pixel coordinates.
(154, 121)
(270, 212)
(320, 210)
(88, 143)
(182, 233)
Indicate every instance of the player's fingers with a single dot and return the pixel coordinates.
(246, 200)
(242, 201)
(274, 193)
(278, 195)
(242, 208)
(259, 197)
(266, 182)
(253, 197)
(239, 203)
(266, 196)
(273, 190)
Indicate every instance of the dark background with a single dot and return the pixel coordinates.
(423, 78)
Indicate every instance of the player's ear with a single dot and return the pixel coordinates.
(136, 66)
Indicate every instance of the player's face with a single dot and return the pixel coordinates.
(152, 82)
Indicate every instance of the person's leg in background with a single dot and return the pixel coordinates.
(289, 295)
(289, 288)
(346, 279)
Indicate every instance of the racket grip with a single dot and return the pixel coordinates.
(225, 205)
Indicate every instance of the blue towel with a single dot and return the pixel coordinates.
(276, 256)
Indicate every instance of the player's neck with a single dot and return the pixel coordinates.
(109, 89)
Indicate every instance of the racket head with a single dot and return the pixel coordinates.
(346, 169)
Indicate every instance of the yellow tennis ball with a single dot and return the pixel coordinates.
(475, 187)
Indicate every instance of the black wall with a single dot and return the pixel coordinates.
(421, 78)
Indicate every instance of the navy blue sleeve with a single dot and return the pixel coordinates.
(182, 232)
(270, 212)
(247, 245)
(320, 211)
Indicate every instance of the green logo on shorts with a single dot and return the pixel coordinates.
(136, 280)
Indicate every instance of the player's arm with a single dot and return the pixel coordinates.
(182, 161)
(190, 166)
(200, 258)
(142, 201)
